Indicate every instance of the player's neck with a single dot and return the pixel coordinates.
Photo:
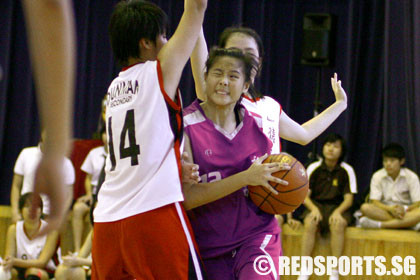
(223, 116)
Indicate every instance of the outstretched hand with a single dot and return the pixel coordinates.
(259, 173)
(340, 94)
(49, 181)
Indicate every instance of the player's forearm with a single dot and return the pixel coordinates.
(203, 193)
(314, 127)
(199, 5)
(198, 60)
(51, 37)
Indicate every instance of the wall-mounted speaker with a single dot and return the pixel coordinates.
(318, 39)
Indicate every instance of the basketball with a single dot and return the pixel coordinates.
(289, 196)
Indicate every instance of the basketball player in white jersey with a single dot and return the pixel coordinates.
(51, 39)
(140, 229)
(282, 125)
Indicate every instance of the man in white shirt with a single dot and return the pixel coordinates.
(394, 194)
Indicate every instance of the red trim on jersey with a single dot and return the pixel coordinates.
(129, 66)
(177, 148)
(255, 114)
(176, 105)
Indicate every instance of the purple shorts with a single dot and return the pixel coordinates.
(261, 253)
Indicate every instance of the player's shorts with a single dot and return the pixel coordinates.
(153, 245)
(263, 249)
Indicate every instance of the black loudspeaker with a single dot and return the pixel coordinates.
(318, 39)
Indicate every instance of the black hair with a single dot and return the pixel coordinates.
(334, 137)
(26, 197)
(224, 38)
(131, 21)
(249, 62)
(393, 150)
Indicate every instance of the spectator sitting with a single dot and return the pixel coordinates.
(29, 256)
(332, 184)
(394, 194)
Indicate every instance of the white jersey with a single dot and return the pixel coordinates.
(26, 165)
(144, 126)
(28, 249)
(93, 163)
(269, 111)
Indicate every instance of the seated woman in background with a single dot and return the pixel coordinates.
(27, 255)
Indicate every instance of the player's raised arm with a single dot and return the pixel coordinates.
(305, 133)
(198, 63)
(174, 55)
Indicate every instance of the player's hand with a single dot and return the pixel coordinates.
(190, 174)
(340, 94)
(336, 218)
(259, 174)
(293, 223)
(397, 211)
(315, 215)
(49, 181)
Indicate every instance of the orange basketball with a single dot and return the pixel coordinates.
(290, 196)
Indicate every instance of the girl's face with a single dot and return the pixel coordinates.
(245, 43)
(332, 150)
(225, 81)
(25, 212)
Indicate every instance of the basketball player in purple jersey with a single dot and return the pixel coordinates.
(229, 146)
(276, 123)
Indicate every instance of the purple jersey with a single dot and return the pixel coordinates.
(227, 223)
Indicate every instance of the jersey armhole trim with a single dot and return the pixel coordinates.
(168, 100)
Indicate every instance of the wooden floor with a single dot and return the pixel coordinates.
(359, 242)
